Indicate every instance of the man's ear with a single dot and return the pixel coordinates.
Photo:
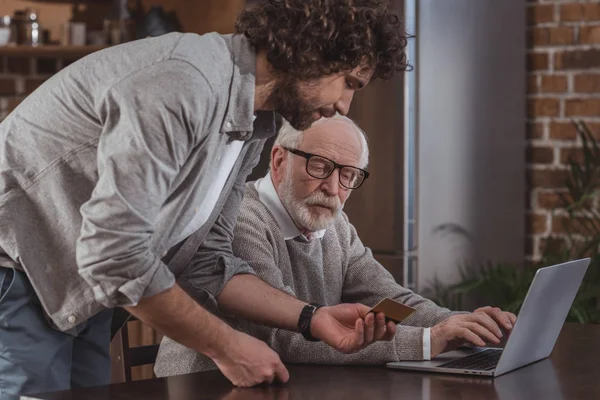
(278, 156)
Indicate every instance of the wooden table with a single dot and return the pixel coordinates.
(572, 372)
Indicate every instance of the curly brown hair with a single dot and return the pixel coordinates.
(312, 38)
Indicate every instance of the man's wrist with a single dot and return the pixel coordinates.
(224, 339)
(305, 321)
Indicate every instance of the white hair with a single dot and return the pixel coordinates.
(290, 137)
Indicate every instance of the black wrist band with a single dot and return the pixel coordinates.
(305, 320)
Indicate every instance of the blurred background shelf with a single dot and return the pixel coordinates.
(48, 50)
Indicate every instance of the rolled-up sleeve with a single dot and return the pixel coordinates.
(214, 264)
(151, 121)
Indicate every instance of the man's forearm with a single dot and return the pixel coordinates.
(248, 297)
(294, 349)
(178, 316)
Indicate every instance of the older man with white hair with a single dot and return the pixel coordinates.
(293, 232)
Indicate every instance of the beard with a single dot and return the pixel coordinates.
(314, 212)
(296, 108)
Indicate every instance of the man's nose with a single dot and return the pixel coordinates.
(342, 106)
(331, 184)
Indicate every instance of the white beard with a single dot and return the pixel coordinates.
(300, 209)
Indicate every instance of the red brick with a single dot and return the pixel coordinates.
(537, 223)
(537, 37)
(563, 131)
(589, 34)
(594, 128)
(561, 35)
(550, 36)
(571, 154)
(33, 83)
(553, 83)
(543, 107)
(567, 130)
(552, 245)
(587, 83)
(579, 12)
(547, 178)
(551, 201)
(575, 225)
(591, 11)
(540, 13)
(535, 130)
(7, 86)
(537, 61)
(540, 155)
(557, 200)
(582, 107)
(18, 65)
(571, 12)
(577, 59)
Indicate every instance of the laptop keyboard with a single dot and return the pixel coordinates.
(483, 361)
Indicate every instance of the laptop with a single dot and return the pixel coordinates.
(538, 325)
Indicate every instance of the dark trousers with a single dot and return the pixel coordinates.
(34, 357)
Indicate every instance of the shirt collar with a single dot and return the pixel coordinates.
(270, 198)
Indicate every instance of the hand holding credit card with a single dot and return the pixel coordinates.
(393, 310)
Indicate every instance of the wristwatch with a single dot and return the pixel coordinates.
(305, 319)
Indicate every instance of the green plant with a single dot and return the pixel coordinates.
(505, 285)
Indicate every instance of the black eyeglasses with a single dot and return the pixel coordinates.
(321, 168)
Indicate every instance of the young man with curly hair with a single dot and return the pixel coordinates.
(121, 179)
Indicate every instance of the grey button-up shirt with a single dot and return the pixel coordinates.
(101, 169)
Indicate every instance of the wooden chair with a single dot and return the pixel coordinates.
(123, 356)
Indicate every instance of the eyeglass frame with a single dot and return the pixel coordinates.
(308, 156)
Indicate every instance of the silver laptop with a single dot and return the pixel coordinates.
(540, 320)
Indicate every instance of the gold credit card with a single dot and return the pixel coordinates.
(393, 310)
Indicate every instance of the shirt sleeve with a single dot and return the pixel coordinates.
(426, 343)
(151, 120)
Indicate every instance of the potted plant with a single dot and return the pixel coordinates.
(505, 285)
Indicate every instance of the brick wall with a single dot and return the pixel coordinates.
(563, 61)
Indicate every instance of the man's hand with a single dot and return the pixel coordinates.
(349, 328)
(503, 318)
(244, 360)
(247, 362)
(476, 328)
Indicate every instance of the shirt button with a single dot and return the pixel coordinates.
(228, 125)
(71, 319)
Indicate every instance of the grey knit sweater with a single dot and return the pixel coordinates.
(337, 268)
